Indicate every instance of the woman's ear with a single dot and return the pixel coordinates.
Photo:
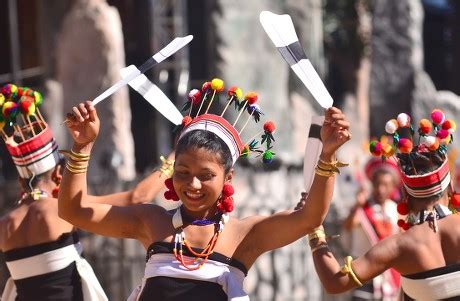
(229, 176)
(56, 176)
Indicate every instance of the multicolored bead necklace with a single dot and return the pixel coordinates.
(179, 240)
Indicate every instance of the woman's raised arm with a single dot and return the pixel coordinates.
(74, 204)
(278, 230)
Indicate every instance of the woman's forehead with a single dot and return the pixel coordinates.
(198, 157)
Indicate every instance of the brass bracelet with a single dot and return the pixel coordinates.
(323, 173)
(331, 166)
(347, 269)
(76, 157)
(76, 169)
(167, 168)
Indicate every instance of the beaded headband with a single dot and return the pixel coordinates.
(31, 145)
(433, 137)
(220, 126)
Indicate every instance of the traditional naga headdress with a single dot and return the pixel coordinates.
(229, 131)
(431, 141)
(28, 138)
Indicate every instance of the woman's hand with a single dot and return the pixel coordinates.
(83, 125)
(334, 132)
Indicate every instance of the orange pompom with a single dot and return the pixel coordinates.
(405, 145)
(251, 98)
(425, 126)
(269, 126)
(186, 120)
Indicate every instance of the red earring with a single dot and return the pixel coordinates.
(225, 203)
(170, 194)
(403, 209)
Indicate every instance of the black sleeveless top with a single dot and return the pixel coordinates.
(177, 289)
(62, 285)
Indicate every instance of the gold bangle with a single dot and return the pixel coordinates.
(76, 157)
(76, 169)
(320, 246)
(347, 269)
(323, 173)
(167, 168)
(331, 166)
(317, 233)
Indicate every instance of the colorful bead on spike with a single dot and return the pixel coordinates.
(437, 116)
(186, 121)
(449, 125)
(2, 99)
(425, 127)
(375, 147)
(403, 120)
(206, 86)
(10, 110)
(267, 156)
(235, 92)
(217, 84)
(442, 134)
(27, 106)
(245, 152)
(405, 145)
(38, 98)
(387, 150)
(10, 91)
(391, 126)
(251, 98)
(194, 96)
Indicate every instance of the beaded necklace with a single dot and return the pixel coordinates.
(431, 216)
(179, 239)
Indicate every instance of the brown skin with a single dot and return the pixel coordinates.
(34, 222)
(416, 250)
(383, 185)
(198, 182)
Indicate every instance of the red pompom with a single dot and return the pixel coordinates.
(402, 208)
(228, 190)
(171, 195)
(226, 205)
(405, 145)
(206, 86)
(186, 120)
(169, 183)
(55, 192)
(195, 96)
(455, 200)
(425, 126)
(401, 223)
(269, 126)
(251, 98)
(406, 226)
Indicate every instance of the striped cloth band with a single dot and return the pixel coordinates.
(430, 184)
(222, 128)
(35, 155)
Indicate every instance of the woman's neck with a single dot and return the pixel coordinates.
(417, 206)
(199, 215)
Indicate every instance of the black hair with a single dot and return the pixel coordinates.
(420, 163)
(33, 181)
(209, 141)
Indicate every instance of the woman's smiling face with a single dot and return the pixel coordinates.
(198, 179)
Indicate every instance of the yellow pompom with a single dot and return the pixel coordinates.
(217, 84)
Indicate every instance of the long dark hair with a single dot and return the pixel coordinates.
(209, 141)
